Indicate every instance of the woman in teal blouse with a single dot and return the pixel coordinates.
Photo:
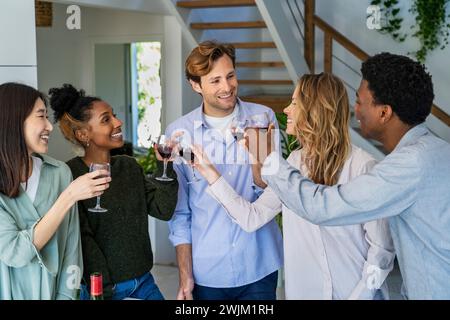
(40, 248)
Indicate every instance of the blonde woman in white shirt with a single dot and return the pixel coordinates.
(345, 262)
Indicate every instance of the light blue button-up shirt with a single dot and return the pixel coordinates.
(411, 187)
(223, 254)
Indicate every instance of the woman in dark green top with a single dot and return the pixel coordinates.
(115, 243)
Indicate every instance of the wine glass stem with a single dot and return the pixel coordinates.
(165, 169)
(98, 202)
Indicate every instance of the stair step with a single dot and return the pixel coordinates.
(215, 3)
(253, 45)
(228, 25)
(276, 102)
(256, 64)
(266, 82)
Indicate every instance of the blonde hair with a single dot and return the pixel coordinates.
(321, 126)
(68, 126)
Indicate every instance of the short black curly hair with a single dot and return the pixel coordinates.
(402, 83)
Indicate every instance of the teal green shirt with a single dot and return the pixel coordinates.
(54, 271)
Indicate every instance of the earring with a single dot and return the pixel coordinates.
(87, 144)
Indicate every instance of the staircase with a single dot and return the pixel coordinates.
(262, 73)
(275, 44)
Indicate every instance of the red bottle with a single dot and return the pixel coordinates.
(96, 286)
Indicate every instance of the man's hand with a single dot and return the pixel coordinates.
(185, 289)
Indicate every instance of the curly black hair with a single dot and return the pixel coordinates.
(402, 83)
(70, 100)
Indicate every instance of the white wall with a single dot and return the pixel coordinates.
(349, 18)
(111, 80)
(18, 48)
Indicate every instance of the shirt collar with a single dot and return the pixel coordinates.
(412, 135)
(199, 119)
(47, 160)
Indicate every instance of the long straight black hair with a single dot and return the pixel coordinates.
(16, 103)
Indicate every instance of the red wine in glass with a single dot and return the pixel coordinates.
(165, 148)
(165, 151)
(94, 167)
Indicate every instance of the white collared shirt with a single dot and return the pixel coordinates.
(344, 262)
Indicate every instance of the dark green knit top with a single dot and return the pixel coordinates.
(116, 243)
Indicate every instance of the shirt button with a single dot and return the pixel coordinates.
(230, 173)
(233, 245)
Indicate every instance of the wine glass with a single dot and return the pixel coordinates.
(165, 147)
(95, 167)
(188, 155)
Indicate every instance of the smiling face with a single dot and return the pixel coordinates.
(291, 111)
(218, 88)
(37, 129)
(367, 112)
(104, 130)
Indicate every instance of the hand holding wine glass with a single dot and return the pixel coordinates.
(164, 148)
(89, 185)
(204, 165)
(259, 143)
(105, 172)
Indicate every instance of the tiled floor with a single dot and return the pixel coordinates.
(167, 279)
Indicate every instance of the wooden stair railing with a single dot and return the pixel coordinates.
(330, 35)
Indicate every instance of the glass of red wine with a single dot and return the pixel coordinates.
(188, 156)
(165, 148)
(94, 167)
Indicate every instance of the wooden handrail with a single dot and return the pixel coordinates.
(309, 33)
(440, 114)
(330, 34)
(341, 39)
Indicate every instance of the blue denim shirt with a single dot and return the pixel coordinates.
(411, 187)
(223, 254)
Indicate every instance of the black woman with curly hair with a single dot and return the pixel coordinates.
(115, 243)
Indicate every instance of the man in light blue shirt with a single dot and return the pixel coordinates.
(216, 258)
(411, 186)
